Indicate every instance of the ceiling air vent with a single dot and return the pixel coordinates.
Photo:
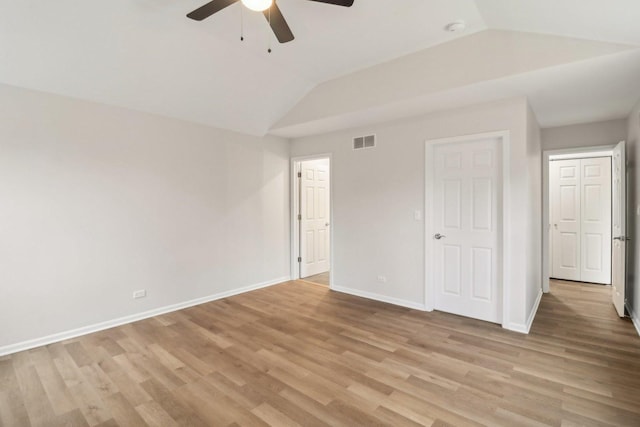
(362, 142)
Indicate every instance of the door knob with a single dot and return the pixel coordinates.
(438, 236)
(326, 224)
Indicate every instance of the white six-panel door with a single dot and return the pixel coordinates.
(466, 221)
(565, 218)
(314, 211)
(581, 219)
(595, 263)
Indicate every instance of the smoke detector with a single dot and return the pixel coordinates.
(455, 27)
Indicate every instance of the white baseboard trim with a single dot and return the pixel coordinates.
(61, 336)
(378, 297)
(634, 318)
(524, 328)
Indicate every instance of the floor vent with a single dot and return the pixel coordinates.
(362, 142)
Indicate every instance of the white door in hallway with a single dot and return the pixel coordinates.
(565, 218)
(581, 219)
(618, 276)
(595, 220)
(314, 217)
(467, 218)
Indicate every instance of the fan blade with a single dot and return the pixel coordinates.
(209, 9)
(345, 3)
(278, 24)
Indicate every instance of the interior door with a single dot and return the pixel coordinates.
(618, 274)
(314, 214)
(565, 218)
(595, 220)
(466, 220)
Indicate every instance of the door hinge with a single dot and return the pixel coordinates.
(299, 259)
(299, 217)
(299, 174)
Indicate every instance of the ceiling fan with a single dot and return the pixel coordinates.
(268, 7)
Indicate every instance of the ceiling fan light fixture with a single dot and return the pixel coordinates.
(257, 5)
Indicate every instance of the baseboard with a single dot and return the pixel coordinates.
(524, 328)
(634, 318)
(378, 297)
(61, 336)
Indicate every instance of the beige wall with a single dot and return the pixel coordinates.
(376, 191)
(609, 132)
(97, 202)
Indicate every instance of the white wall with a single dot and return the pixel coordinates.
(633, 199)
(97, 201)
(534, 215)
(376, 191)
(609, 132)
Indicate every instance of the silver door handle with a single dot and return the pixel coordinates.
(438, 236)
(622, 238)
(326, 224)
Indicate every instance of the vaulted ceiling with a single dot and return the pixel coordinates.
(347, 66)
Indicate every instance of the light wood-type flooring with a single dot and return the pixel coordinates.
(318, 279)
(299, 354)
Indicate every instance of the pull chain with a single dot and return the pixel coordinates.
(241, 23)
(268, 33)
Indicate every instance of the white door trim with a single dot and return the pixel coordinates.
(579, 152)
(429, 228)
(295, 199)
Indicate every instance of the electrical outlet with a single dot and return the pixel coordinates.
(140, 294)
(382, 279)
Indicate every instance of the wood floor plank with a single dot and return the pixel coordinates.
(78, 353)
(51, 380)
(300, 354)
(168, 402)
(88, 400)
(272, 416)
(35, 398)
(12, 405)
(73, 418)
(123, 413)
(154, 415)
(130, 388)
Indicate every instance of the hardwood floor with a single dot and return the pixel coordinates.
(318, 279)
(299, 354)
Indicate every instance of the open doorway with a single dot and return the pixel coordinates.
(580, 217)
(311, 215)
(583, 218)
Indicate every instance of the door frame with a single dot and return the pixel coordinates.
(295, 202)
(429, 228)
(595, 151)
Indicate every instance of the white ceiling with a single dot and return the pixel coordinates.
(615, 21)
(146, 55)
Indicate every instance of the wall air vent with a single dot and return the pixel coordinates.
(362, 142)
